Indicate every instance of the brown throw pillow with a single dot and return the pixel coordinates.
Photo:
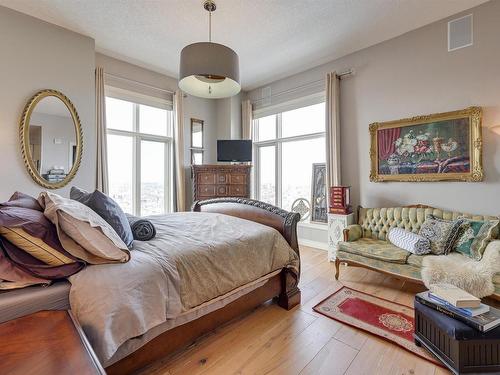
(82, 232)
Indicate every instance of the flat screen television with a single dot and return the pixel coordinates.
(234, 150)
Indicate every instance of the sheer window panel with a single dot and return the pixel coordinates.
(265, 128)
(267, 174)
(152, 178)
(120, 171)
(296, 175)
(119, 114)
(302, 121)
(196, 157)
(153, 120)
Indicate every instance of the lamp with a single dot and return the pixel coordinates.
(207, 69)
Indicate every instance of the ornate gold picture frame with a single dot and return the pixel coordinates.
(438, 147)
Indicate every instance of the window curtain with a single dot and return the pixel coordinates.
(246, 119)
(179, 173)
(332, 130)
(102, 155)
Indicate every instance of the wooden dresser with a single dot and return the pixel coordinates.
(221, 180)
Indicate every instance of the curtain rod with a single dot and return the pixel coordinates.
(347, 73)
(138, 83)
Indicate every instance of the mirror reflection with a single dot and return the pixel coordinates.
(52, 139)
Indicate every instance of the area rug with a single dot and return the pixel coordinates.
(389, 320)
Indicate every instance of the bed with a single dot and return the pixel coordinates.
(159, 302)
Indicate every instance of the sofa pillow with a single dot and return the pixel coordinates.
(22, 200)
(30, 231)
(82, 232)
(441, 233)
(475, 236)
(108, 209)
(409, 241)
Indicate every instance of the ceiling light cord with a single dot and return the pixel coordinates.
(210, 26)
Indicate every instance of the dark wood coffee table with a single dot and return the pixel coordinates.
(46, 342)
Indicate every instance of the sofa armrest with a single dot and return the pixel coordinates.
(353, 232)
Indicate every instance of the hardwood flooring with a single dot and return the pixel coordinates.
(271, 340)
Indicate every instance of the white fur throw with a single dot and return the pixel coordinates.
(475, 277)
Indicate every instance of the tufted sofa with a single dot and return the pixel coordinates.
(365, 243)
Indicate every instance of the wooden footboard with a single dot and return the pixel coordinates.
(260, 212)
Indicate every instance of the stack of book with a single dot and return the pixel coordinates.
(55, 175)
(460, 305)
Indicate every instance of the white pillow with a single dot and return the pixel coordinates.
(409, 241)
(82, 232)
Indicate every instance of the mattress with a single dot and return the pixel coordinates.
(21, 302)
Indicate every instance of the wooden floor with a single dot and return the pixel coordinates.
(271, 340)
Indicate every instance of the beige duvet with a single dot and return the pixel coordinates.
(194, 258)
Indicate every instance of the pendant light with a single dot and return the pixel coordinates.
(207, 69)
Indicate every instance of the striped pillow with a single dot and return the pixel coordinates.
(409, 241)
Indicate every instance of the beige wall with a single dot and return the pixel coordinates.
(35, 56)
(414, 74)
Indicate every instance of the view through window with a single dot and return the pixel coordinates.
(139, 156)
(286, 146)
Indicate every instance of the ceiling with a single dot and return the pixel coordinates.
(274, 38)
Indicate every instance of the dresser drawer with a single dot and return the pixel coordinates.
(222, 178)
(206, 178)
(221, 190)
(238, 179)
(206, 190)
(237, 190)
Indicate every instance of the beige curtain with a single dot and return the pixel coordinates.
(102, 155)
(246, 119)
(333, 129)
(179, 186)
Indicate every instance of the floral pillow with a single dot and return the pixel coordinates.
(475, 236)
(441, 233)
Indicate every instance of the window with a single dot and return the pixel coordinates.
(286, 146)
(139, 156)
(196, 141)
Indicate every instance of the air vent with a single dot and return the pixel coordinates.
(266, 95)
(460, 33)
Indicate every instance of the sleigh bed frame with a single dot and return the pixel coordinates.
(282, 287)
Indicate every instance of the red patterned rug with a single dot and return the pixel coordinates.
(388, 320)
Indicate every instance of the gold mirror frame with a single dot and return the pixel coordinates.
(24, 126)
(476, 173)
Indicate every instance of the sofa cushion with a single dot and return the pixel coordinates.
(475, 236)
(409, 241)
(415, 260)
(376, 249)
(441, 233)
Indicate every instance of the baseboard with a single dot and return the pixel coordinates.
(316, 244)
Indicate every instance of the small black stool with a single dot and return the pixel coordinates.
(463, 349)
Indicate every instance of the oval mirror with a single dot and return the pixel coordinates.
(51, 139)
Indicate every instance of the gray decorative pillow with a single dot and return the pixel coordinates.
(106, 208)
(409, 241)
(441, 233)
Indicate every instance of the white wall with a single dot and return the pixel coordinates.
(414, 74)
(37, 55)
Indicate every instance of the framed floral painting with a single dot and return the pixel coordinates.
(438, 147)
